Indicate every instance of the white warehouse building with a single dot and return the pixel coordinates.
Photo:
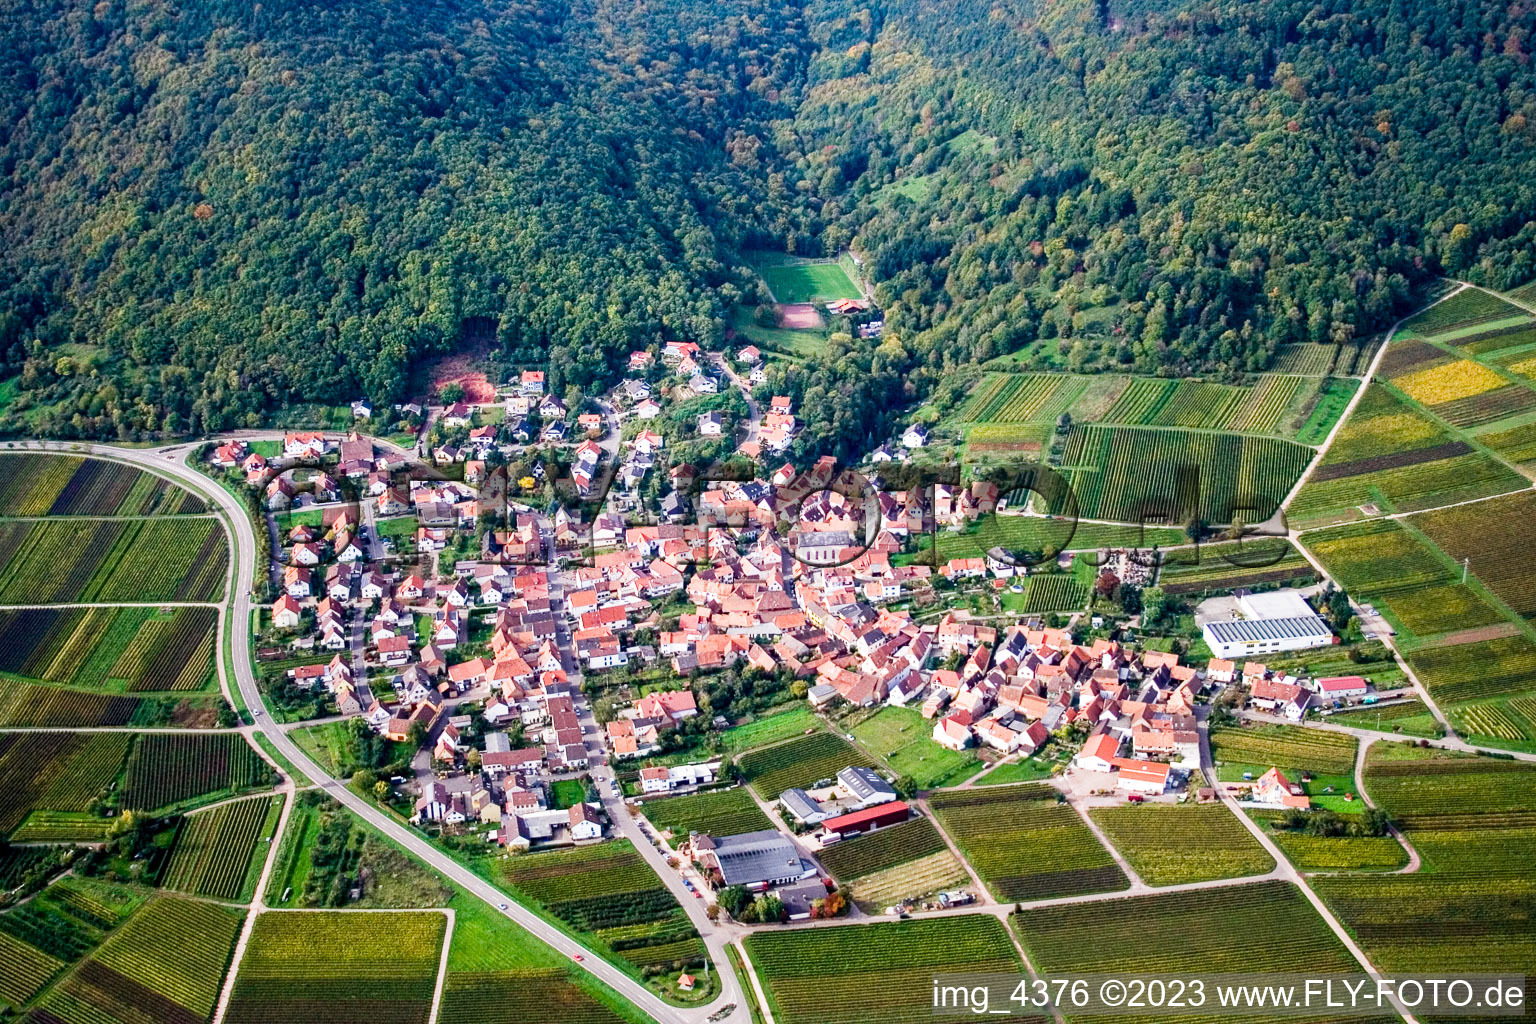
(1267, 623)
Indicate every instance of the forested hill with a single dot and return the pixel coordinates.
(215, 208)
(1174, 187)
(236, 205)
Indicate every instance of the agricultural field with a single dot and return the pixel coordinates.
(1483, 670)
(1127, 474)
(57, 561)
(723, 812)
(1501, 723)
(903, 862)
(858, 973)
(112, 650)
(1468, 308)
(35, 484)
(63, 923)
(791, 280)
(1448, 382)
(1473, 821)
(499, 974)
(56, 771)
(166, 769)
(48, 707)
(219, 852)
(1167, 845)
(1323, 409)
(1333, 853)
(799, 762)
(1022, 398)
(344, 968)
(1053, 592)
(610, 894)
(1391, 455)
(1263, 927)
(130, 977)
(1497, 536)
(1517, 444)
(1291, 748)
(1024, 844)
(903, 739)
(1045, 535)
(1224, 566)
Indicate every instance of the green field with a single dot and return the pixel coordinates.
(368, 968)
(609, 893)
(112, 650)
(56, 771)
(60, 925)
(57, 561)
(36, 484)
(1258, 928)
(1045, 535)
(1473, 821)
(166, 769)
(1167, 845)
(903, 738)
(1026, 845)
(500, 974)
(1227, 565)
(1133, 474)
(793, 280)
(219, 852)
(771, 728)
(1291, 748)
(1333, 853)
(798, 763)
(852, 974)
(724, 812)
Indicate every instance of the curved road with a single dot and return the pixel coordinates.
(170, 461)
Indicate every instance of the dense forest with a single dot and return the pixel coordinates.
(212, 210)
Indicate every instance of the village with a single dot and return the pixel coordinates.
(529, 605)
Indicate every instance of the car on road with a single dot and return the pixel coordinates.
(577, 958)
(503, 906)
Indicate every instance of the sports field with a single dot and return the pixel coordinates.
(793, 282)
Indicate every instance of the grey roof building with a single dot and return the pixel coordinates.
(804, 809)
(864, 785)
(758, 859)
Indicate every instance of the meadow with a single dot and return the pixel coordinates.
(1025, 844)
(903, 739)
(852, 974)
(1223, 566)
(1167, 845)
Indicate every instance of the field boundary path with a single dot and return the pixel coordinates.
(171, 462)
(258, 900)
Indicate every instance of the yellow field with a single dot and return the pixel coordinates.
(1394, 432)
(1525, 367)
(1461, 379)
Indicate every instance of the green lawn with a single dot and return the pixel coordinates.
(770, 729)
(399, 526)
(568, 792)
(904, 740)
(809, 282)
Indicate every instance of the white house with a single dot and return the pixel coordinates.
(915, 436)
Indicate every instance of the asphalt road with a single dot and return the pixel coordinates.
(169, 462)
